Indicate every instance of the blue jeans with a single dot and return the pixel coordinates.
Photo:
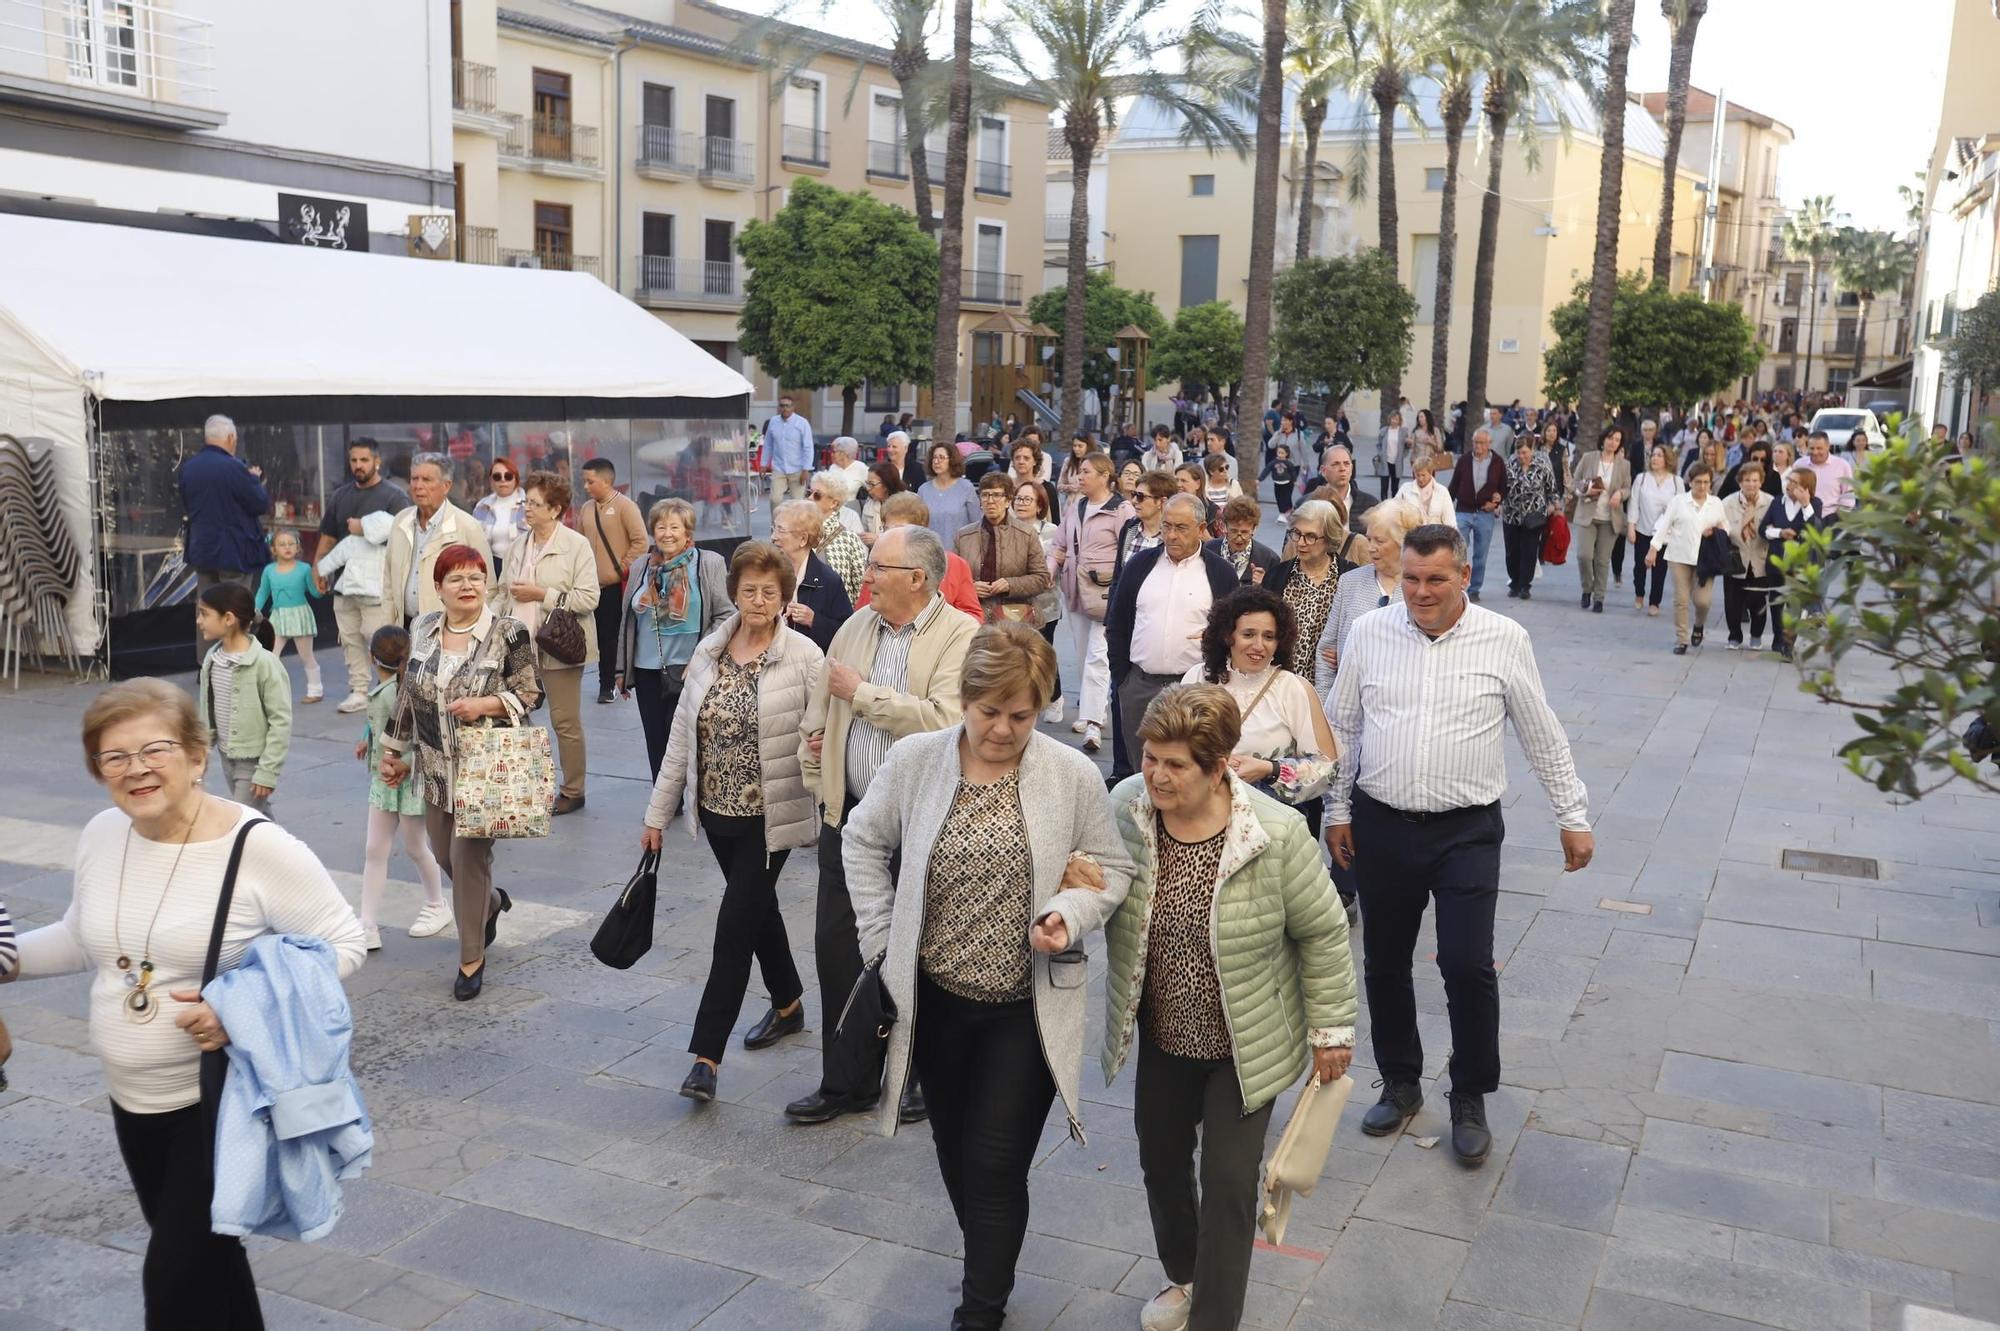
(1477, 528)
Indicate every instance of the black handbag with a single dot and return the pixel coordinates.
(627, 932)
(561, 633)
(853, 1064)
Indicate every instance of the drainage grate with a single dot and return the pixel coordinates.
(1819, 861)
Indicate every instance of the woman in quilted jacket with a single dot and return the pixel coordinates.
(1230, 956)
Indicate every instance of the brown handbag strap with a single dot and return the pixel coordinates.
(610, 554)
(1269, 680)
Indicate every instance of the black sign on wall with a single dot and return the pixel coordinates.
(328, 224)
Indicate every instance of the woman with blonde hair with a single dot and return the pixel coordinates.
(839, 528)
(982, 932)
(1431, 500)
(1227, 964)
(1375, 584)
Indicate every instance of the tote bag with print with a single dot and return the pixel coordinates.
(504, 782)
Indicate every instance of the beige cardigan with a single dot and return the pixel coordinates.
(565, 565)
(458, 528)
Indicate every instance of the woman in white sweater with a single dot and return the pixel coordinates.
(149, 875)
(1652, 492)
(1677, 542)
(1430, 497)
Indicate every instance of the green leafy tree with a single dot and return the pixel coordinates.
(1343, 324)
(1107, 307)
(1204, 348)
(1666, 349)
(1908, 638)
(1975, 346)
(1869, 263)
(842, 290)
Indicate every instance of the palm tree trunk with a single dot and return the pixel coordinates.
(1457, 110)
(1497, 114)
(1610, 195)
(1680, 69)
(1080, 153)
(1861, 334)
(1387, 92)
(914, 132)
(1313, 112)
(1812, 327)
(951, 241)
(1264, 209)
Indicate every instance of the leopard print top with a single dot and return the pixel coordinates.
(1181, 1010)
(979, 894)
(732, 761)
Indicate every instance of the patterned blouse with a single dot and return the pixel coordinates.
(726, 731)
(1311, 602)
(1530, 491)
(1182, 1005)
(979, 894)
(499, 661)
(843, 552)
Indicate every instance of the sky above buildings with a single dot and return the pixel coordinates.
(1857, 81)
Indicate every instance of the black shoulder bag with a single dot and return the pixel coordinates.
(215, 1062)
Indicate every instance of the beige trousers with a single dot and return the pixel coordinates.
(1687, 590)
(357, 620)
(1593, 556)
(468, 862)
(563, 686)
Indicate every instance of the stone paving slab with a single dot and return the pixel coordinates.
(1748, 1098)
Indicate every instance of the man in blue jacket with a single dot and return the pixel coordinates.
(1158, 609)
(223, 499)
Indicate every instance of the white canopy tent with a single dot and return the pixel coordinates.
(94, 314)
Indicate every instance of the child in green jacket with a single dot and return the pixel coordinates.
(245, 697)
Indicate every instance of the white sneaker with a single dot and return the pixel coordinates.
(1078, 726)
(374, 937)
(1167, 1310)
(1052, 715)
(430, 920)
(1756, 644)
(1093, 737)
(353, 702)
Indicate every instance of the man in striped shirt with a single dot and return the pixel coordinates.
(1417, 712)
(10, 961)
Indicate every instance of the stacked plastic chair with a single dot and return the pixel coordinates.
(39, 563)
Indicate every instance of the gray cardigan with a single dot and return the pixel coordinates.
(711, 571)
(1062, 798)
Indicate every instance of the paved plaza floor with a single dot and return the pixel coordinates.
(1735, 1095)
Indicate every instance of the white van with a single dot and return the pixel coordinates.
(1840, 423)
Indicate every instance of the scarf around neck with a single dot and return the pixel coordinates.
(677, 596)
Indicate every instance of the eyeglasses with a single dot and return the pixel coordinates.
(114, 762)
(1303, 536)
(874, 567)
(502, 476)
(817, 494)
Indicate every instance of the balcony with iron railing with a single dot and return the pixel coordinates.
(665, 280)
(730, 163)
(552, 144)
(479, 244)
(559, 260)
(472, 88)
(978, 286)
(666, 151)
(136, 60)
(992, 177)
(807, 147)
(888, 160)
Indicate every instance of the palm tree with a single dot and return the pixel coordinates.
(1458, 65)
(1683, 17)
(1813, 234)
(1082, 57)
(1869, 263)
(1610, 196)
(1264, 209)
(1530, 46)
(951, 241)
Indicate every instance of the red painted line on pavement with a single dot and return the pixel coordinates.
(1286, 1250)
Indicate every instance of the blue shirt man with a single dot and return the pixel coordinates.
(788, 454)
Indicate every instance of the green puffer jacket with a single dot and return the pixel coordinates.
(1277, 930)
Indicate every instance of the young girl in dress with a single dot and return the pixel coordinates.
(282, 597)
(391, 807)
(245, 696)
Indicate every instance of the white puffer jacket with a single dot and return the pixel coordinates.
(791, 814)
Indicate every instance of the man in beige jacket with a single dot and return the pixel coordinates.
(423, 531)
(892, 670)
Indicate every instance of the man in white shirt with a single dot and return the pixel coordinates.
(1417, 714)
(1159, 607)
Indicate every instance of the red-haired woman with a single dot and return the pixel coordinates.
(466, 664)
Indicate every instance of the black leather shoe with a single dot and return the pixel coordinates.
(1586, 601)
(1471, 1140)
(1399, 1104)
(493, 918)
(774, 1028)
(604, 696)
(1597, 607)
(1697, 635)
(467, 987)
(912, 1109)
(1527, 593)
(822, 1108)
(566, 804)
(1680, 649)
(700, 1083)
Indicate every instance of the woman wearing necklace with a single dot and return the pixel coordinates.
(148, 878)
(677, 593)
(466, 665)
(554, 565)
(1306, 582)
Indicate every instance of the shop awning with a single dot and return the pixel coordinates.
(1892, 376)
(287, 332)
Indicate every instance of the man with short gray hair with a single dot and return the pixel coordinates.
(221, 501)
(1478, 485)
(422, 532)
(1158, 608)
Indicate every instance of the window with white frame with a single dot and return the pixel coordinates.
(1424, 276)
(1434, 179)
(103, 41)
(887, 148)
(805, 119)
(992, 168)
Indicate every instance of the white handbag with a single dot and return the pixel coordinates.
(1300, 1155)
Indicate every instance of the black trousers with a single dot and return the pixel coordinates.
(747, 926)
(989, 1092)
(1650, 583)
(1618, 557)
(1283, 491)
(191, 1277)
(1524, 552)
(610, 616)
(1401, 865)
(1207, 1238)
(837, 955)
(658, 693)
(1746, 598)
(1391, 482)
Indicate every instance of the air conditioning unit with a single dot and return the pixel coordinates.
(524, 261)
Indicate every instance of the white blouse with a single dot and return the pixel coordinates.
(1435, 506)
(1281, 722)
(1650, 496)
(1678, 535)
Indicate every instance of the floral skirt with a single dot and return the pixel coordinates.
(294, 621)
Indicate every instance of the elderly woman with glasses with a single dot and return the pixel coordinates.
(1307, 581)
(839, 528)
(676, 594)
(149, 875)
(821, 604)
(947, 493)
(555, 570)
(502, 510)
